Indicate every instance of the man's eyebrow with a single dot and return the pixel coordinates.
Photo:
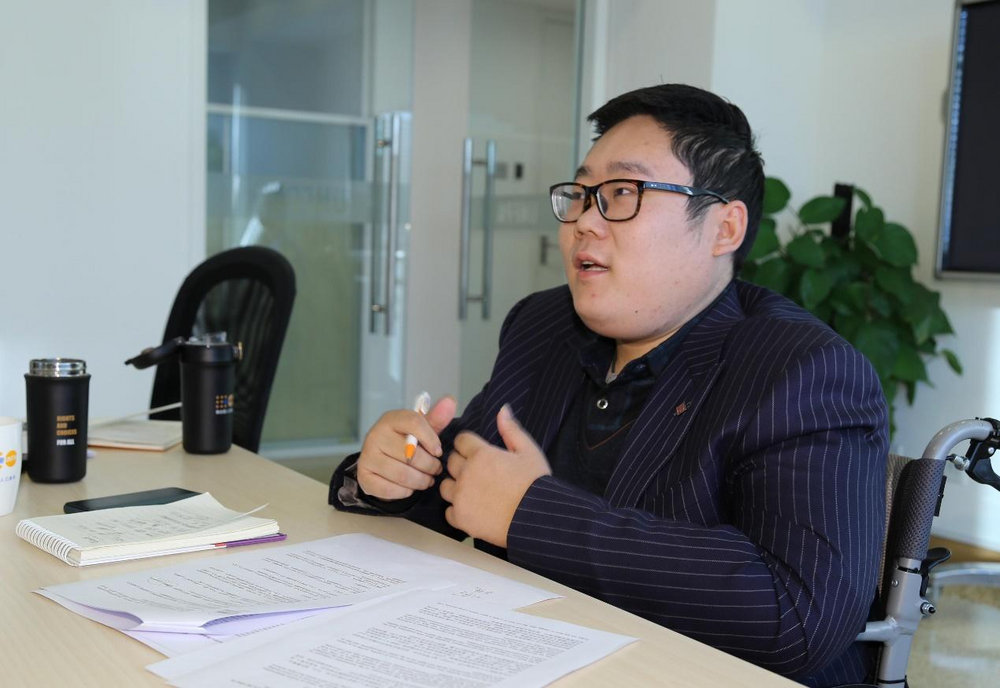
(630, 166)
(618, 166)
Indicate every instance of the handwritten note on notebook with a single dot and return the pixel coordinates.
(93, 537)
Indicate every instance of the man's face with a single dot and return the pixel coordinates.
(652, 273)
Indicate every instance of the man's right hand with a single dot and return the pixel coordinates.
(383, 470)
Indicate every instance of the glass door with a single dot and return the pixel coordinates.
(523, 110)
(308, 153)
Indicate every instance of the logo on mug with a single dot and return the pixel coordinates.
(224, 404)
(10, 459)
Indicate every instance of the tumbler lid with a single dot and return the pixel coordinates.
(57, 367)
(211, 352)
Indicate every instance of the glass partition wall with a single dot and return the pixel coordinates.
(524, 97)
(308, 153)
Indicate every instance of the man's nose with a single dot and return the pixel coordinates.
(592, 222)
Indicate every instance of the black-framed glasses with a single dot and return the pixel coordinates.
(617, 199)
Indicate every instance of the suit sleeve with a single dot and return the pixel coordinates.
(427, 507)
(786, 582)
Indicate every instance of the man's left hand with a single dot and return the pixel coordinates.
(487, 483)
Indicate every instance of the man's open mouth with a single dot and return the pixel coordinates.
(591, 266)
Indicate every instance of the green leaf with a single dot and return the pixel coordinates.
(880, 343)
(823, 312)
(821, 209)
(922, 331)
(848, 325)
(814, 287)
(940, 323)
(868, 223)
(840, 305)
(766, 241)
(928, 347)
(869, 260)
(880, 304)
(896, 281)
(909, 365)
(911, 392)
(773, 274)
(843, 267)
(896, 246)
(953, 361)
(804, 250)
(776, 195)
(919, 312)
(857, 294)
(863, 196)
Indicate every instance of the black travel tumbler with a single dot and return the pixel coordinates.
(57, 392)
(208, 382)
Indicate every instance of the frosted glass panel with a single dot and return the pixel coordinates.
(300, 188)
(303, 55)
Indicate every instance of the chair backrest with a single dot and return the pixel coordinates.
(913, 488)
(894, 466)
(247, 292)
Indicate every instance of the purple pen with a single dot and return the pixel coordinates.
(277, 537)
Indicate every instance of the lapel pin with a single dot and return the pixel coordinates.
(681, 408)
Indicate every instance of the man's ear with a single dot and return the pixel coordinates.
(730, 227)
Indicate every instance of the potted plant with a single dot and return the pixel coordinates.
(857, 278)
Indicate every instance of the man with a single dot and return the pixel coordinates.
(696, 450)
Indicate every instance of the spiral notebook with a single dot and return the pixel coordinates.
(135, 532)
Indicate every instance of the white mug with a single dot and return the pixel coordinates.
(10, 463)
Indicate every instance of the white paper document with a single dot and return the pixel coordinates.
(209, 596)
(202, 650)
(416, 640)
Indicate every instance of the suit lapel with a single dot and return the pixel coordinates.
(539, 390)
(673, 403)
(560, 381)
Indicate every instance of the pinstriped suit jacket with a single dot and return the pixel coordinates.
(747, 509)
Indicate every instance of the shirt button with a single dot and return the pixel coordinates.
(602, 404)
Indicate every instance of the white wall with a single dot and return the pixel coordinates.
(851, 91)
(101, 185)
(654, 42)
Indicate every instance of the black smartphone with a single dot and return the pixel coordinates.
(164, 495)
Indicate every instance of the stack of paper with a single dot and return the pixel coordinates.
(395, 612)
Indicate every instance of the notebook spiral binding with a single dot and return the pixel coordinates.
(45, 539)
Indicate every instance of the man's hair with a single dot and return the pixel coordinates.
(710, 136)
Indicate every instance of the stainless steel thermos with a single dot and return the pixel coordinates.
(208, 381)
(57, 392)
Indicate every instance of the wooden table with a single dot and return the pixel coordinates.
(46, 645)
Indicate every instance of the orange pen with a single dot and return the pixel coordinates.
(421, 405)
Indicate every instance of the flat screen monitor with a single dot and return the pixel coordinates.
(969, 234)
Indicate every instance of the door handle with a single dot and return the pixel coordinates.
(491, 175)
(464, 297)
(391, 257)
(463, 247)
(387, 143)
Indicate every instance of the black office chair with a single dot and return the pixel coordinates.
(248, 293)
(914, 489)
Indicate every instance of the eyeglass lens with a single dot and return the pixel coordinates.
(617, 200)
